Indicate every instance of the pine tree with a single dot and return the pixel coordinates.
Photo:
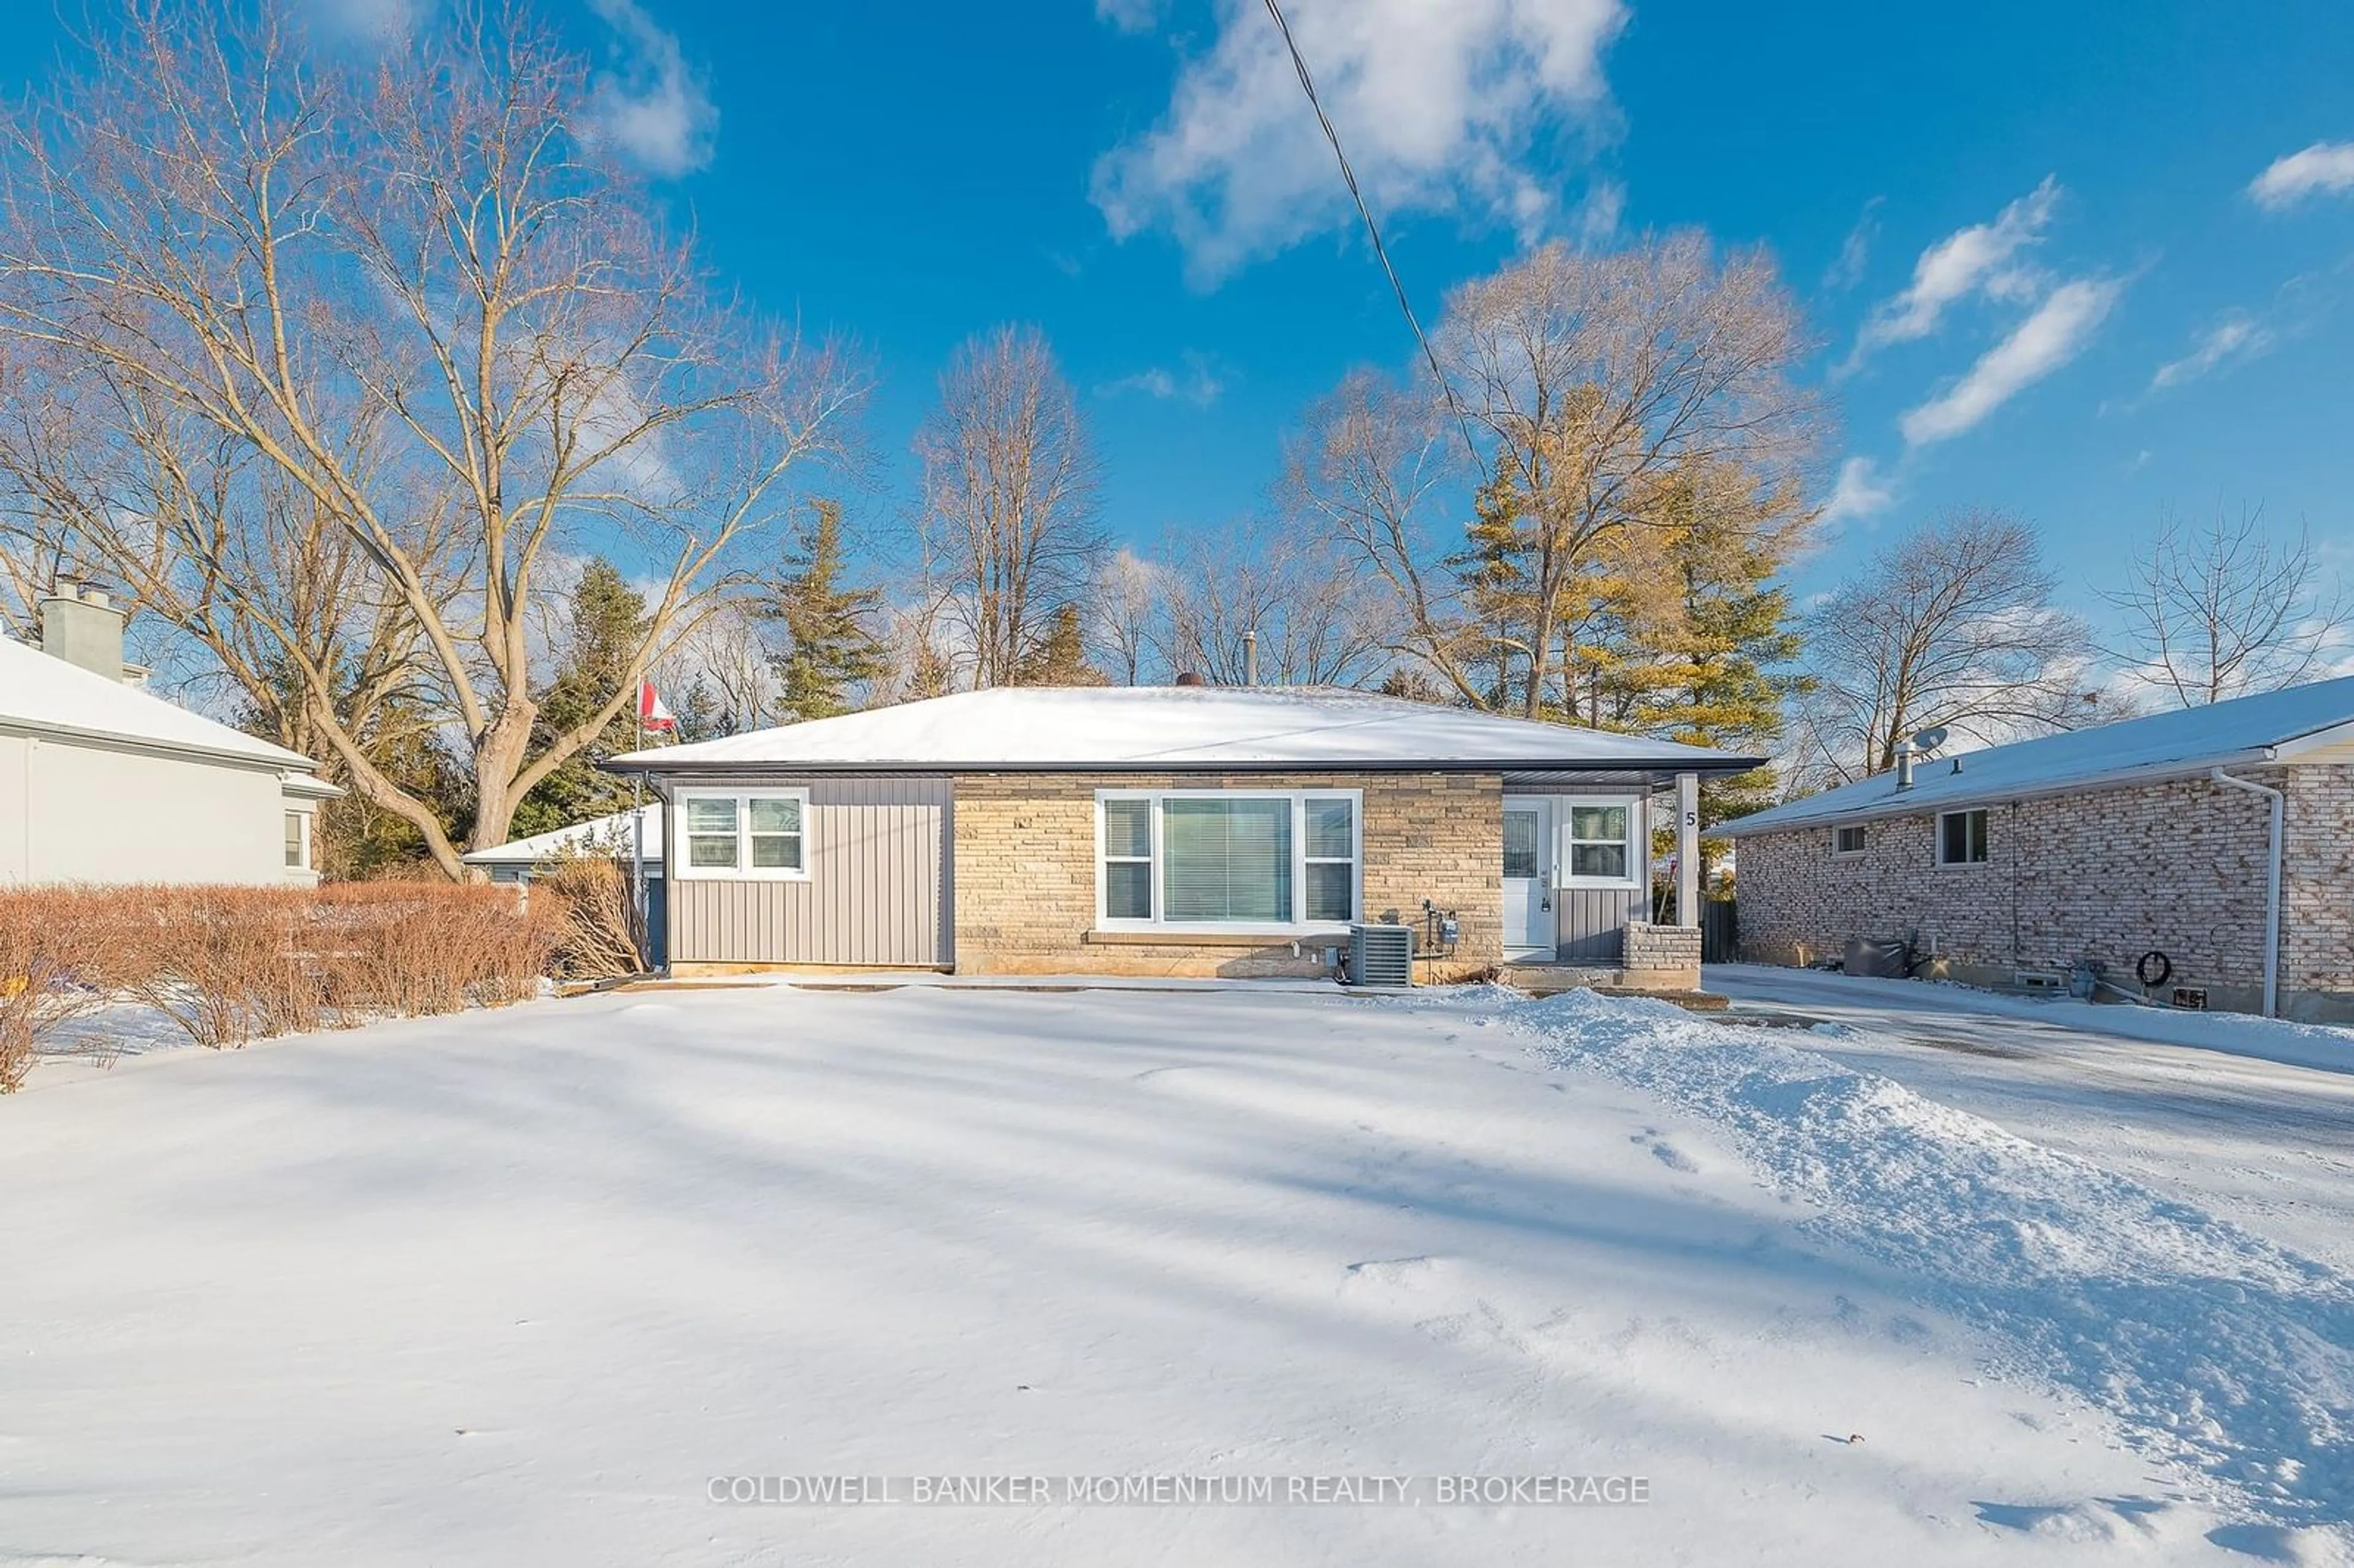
(1713, 662)
(1060, 658)
(831, 644)
(605, 624)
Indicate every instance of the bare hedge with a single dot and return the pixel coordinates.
(233, 964)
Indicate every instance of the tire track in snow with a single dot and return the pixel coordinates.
(2209, 1346)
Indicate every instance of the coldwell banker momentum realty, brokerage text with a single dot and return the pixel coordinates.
(1180, 1490)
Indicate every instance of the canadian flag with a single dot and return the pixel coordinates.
(651, 714)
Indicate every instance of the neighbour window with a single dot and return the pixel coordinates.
(298, 842)
(1848, 840)
(1962, 838)
(1599, 847)
(1234, 858)
(759, 834)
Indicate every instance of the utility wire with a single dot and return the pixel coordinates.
(1372, 229)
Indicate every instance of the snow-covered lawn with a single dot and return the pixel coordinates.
(515, 1287)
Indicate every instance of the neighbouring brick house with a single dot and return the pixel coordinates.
(2150, 836)
(1184, 829)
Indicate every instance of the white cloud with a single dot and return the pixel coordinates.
(1847, 271)
(2236, 337)
(1860, 491)
(2053, 334)
(1980, 258)
(649, 100)
(2323, 167)
(375, 21)
(1444, 105)
(1129, 16)
(1197, 383)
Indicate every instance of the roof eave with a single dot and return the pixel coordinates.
(1909, 805)
(715, 766)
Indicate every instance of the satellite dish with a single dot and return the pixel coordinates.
(1931, 739)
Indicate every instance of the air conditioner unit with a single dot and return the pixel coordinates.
(1381, 955)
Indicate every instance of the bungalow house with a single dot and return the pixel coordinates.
(1186, 830)
(615, 835)
(102, 781)
(2200, 857)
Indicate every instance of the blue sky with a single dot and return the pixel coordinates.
(1140, 178)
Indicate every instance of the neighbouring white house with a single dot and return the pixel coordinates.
(102, 781)
(2202, 857)
(615, 835)
(1186, 830)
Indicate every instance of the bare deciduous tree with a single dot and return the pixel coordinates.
(2222, 611)
(1953, 625)
(1591, 382)
(1365, 472)
(1126, 614)
(392, 331)
(1318, 620)
(1009, 500)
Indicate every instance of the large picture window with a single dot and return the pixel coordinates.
(760, 833)
(1237, 859)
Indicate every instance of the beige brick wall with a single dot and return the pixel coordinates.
(1025, 871)
(2107, 875)
(1662, 950)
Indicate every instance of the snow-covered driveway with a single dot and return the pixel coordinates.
(2252, 1119)
(515, 1288)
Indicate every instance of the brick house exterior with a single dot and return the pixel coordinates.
(1169, 831)
(2096, 869)
(1025, 897)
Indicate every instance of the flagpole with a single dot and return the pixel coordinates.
(638, 831)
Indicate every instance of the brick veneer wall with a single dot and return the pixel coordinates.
(2107, 875)
(1025, 871)
(1664, 957)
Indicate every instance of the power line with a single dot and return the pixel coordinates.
(1372, 229)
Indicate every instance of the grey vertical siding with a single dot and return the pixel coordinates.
(1593, 928)
(878, 891)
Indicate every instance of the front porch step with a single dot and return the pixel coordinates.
(1552, 980)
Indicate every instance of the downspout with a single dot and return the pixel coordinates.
(2272, 886)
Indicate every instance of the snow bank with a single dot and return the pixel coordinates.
(2208, 1346)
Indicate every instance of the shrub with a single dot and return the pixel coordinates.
(52, 970)
(602, 934)
(233, 964)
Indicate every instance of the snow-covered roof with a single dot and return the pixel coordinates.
(2240, 732)
(1137, 728)
(603, 835)
(42, 695)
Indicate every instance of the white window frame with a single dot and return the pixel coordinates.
(1863, 841)
(675, 833)
(302, 820)
(1301, 860)
(1639, 858)
(1986, 838)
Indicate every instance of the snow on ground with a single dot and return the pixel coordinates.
(2209, 1107)
(2207, 1345)
(515, 1286)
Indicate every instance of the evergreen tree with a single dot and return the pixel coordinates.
(1061, 658)
(832, 645)
(1713, 663)
(606, 621)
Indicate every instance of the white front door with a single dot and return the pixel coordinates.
(1528, 879)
